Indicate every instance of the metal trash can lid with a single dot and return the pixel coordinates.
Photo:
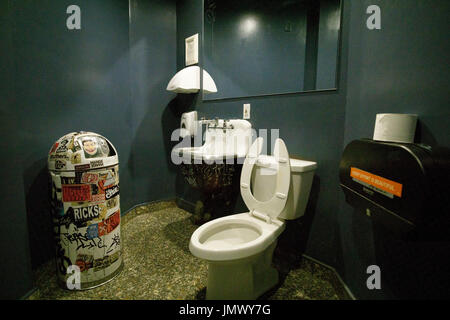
(80, 151)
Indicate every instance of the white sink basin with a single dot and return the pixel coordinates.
(220, 144)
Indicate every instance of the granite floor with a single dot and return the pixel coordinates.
(158, 265)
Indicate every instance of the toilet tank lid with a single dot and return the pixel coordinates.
(297, 165)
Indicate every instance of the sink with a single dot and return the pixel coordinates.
(223, 141)
(215, 167)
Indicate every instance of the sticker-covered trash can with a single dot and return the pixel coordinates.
(85, 208)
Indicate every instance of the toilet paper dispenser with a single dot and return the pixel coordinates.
(402, 186)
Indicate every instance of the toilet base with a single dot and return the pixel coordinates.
(242, 279)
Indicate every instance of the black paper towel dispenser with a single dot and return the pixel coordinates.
(405, 187)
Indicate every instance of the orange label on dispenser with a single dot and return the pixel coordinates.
(384, 184)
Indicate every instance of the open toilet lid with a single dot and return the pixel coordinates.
(273, 207)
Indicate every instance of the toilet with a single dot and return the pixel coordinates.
(239, 247)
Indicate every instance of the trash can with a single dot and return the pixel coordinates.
(85, 208)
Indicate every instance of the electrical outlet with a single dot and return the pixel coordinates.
(246, 111)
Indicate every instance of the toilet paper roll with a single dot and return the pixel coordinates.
(188, 124)
(394, 127)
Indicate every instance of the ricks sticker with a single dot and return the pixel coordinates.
(379, 184)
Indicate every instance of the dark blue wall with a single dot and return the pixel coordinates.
(109, 77)
(152, 65)
(15, 277)
(328, 44)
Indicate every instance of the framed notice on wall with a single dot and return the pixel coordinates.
(191, 45)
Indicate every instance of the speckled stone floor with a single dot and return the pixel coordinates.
(158, 265)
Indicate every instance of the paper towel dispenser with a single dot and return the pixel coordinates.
(403, 186)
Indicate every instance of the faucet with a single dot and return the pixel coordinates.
(214, 124)
(227, 126)
(210, 123)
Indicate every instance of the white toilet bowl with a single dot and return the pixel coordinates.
(239, 247)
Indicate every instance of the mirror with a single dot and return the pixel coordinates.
(266, 47)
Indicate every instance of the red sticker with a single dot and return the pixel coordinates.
(54, 147)
(113, 221)
(90, 178)
(76, 193)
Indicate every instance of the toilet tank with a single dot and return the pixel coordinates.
(263, 184)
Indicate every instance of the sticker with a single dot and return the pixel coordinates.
(58, 157)
(62, 147)
(71, 180)
(381, 185)
(114, 257)
(98, 197)
(101, 186)
(76, 146)
(102, 230)
(104, 227)
(113, 221)
(106, 261)
(96, 163)
(90, 178)
(76, 193)
(79, 216)
(84, 214)
(110, 178)
(54, 147)
(103, 210)
(75, 158)
(60, 164)
(101, 263)
(112, 192)
(84, 261)
(73, 145)
(94, 147)
(111, 203)
(82, 167)
(92, 231)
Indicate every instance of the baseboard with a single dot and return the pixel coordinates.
(185, 205)
(346, 288)
(28, 294)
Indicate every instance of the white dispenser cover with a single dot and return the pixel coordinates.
(392, 127)
(187, 80)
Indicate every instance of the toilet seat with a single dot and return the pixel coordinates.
(267, 210)
(232, 248)
(246, 234)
